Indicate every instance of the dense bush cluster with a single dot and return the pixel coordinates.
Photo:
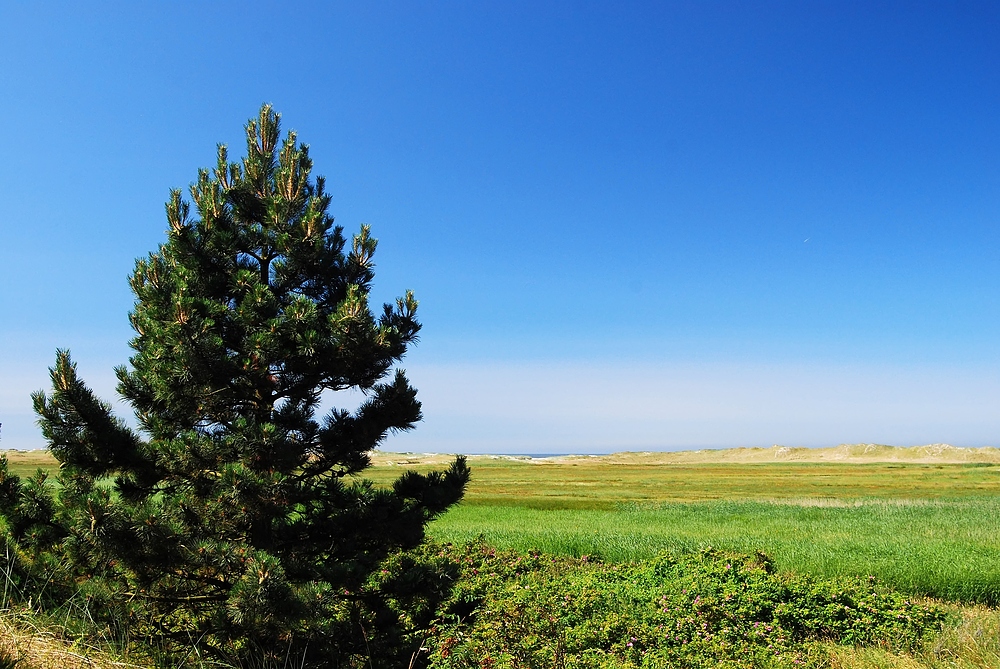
(704, 609)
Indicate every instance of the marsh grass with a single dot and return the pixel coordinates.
(26, 463)
(841, 474)
(600, 484)
(945, 549)
(925, 521)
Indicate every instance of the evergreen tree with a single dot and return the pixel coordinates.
(233, 520)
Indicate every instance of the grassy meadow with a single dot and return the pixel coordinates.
(925, 521)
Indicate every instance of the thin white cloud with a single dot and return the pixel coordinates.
(525, 407)
(602, 406)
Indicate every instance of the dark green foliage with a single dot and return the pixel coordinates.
(233, 520)
(705, 609)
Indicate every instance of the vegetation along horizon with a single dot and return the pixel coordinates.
(924, 522)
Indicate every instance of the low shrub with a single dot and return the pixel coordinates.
(705, 609)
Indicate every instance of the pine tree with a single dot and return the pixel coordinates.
(232, 518)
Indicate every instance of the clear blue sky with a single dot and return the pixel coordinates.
(630, 226)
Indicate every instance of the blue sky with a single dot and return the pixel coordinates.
(630, 226)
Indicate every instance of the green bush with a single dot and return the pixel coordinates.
(704, 609)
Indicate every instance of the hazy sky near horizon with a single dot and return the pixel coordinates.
(630, 225)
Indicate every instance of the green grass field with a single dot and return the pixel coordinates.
(926, 525)
(926, 521)
(949, 550)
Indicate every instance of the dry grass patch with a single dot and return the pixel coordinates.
(972, 643)
(975, 642)
(25, 644)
